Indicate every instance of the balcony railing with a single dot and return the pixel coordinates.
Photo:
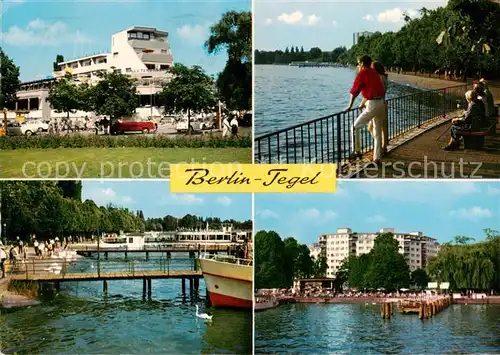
(329, 139)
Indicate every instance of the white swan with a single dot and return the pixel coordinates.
(203, 315)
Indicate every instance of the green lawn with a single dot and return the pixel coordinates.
(110, 162)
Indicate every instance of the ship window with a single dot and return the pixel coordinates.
(139, 35)
(146, 36)
(131, 240)
(133, 35)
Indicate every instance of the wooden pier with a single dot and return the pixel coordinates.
(424, 308)
(53, 272)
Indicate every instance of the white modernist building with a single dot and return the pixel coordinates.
(416, 248)
(315, 251)
(141, 52)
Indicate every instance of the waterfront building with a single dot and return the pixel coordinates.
(144, 53)
(416, 248)
(357, 35)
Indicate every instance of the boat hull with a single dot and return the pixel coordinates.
(228, 285)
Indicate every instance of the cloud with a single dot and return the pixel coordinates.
(186, 199)
(376, 219)
(194, 34)
(368, 18)
(493, 191)
(291, 18)
(106, 196)
(224, 200)
(334, 23)
(313, 214)
(313, 20)
(472, 214)
(392, 15)
(42, 33)
(267, 214)
(269, 21)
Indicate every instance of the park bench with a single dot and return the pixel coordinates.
(475, 139)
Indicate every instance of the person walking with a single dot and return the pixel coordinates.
(226, 127)
(234, 126)
(3, 258)
(371, 87)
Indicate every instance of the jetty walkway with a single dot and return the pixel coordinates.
(56, 271)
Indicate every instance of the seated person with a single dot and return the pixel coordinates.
(483, 101)
(490, 101)
(471, 120)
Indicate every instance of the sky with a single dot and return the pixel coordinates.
(35, 31)
(327, 24)
(440, 210)
(155, 200)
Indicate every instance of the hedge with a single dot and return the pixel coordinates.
(81, 141)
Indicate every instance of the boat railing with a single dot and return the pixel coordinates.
(228, 259)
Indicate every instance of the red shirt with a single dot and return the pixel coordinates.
(369, 83)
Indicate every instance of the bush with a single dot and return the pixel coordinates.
(93, 141)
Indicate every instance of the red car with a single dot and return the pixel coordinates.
(120, 127)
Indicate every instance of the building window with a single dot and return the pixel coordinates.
(133, 35)
(164, 51)
(115, 54)
(164, 67)
(128, 70)
(139, 35)
(146, 36)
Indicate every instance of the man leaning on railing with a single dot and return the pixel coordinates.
(371, 87)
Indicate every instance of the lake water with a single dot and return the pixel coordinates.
(359, 329)
(286, 95)
(81, 319)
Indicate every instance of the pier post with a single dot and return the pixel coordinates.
(183, 286)
(149, 288)
(144, 288)
(191, 288)
(106, 255)
(125, 255)
(169, 255)
(147, 255)
(196, 284)
(105, 286)
(58, 286)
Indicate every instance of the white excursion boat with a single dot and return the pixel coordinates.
(229, 280)
(141, 241)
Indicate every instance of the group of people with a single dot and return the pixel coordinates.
(480, 111)
(371, 82)
(230, 125)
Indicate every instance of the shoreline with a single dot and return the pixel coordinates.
(489, 300)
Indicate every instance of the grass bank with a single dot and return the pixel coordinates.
(127, 162)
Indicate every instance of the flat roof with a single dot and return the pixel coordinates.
(37, 81)
(148, 29)
(87, 57)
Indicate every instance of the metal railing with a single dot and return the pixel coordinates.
(96, 267)
(158, 248)
(329, 139)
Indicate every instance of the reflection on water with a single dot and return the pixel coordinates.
(285, 95)
(359, 329)
(81, 319)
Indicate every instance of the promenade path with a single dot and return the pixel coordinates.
(419, 153)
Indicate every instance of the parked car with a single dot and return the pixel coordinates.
(197, 123)
(120, 127)
(27, 128)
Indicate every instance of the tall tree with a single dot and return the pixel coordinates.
(9, 83)
(115, 95)
(66, 96)
(71, 189)
(59, 59)
(233, 33)
(269, 260)
(419, 278)
(190, 90)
